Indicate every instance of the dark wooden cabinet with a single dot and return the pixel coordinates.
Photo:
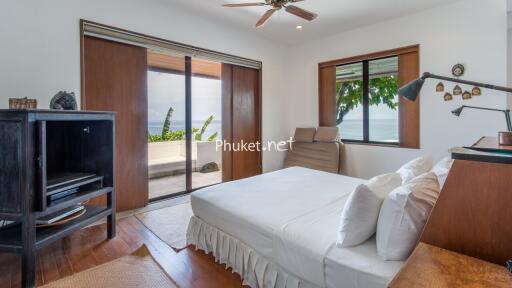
(39, 148)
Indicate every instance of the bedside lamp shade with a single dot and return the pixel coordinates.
(413, 88)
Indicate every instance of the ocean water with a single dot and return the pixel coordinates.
(381, 130)
(215, 126)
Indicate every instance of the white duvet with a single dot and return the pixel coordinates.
(290, 216)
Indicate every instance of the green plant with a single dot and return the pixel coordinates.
(199, 135)
(213, 137)
(167, 122)
(349, 94)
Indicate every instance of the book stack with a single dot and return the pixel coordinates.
(60, 215)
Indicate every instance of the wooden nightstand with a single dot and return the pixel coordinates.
(430, 266)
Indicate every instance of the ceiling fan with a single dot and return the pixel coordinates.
(276, 6)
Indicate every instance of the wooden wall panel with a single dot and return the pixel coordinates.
(327, 96)
(409, 111)
(241, 120)
(115, 79)
(472, 215)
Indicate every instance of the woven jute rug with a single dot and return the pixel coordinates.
(169, 224)
(133, 271)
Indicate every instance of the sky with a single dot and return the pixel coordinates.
(168, 90)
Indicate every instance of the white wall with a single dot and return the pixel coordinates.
(472, 32)
(39, 49)
(39, 55)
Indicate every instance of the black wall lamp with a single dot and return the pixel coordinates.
(458, 111)
(412, 90)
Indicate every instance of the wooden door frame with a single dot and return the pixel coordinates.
(83, 98)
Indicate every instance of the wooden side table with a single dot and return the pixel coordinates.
(430, 266)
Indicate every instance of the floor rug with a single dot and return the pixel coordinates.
(169, 224)
(133, 271)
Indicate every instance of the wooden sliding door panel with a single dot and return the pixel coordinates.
(246, 121)
(241, 120)
(115, 79)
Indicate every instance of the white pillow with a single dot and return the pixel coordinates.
(441, 169)
(415, 168)
(359, 217)
(403, 216)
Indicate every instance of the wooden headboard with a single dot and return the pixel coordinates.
(324, 156)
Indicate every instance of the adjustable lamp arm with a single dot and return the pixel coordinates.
(458, 111)
(472, 83)
(411, 90)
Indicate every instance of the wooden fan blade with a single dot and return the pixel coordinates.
(301, 12)
(243, 5)
(265, 17)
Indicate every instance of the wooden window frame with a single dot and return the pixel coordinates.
(409, 112)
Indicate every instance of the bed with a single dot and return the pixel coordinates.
(279, 230)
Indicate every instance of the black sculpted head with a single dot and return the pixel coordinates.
(63, 101)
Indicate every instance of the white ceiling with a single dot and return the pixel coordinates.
(335, 16)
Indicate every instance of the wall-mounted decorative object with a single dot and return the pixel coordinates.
(63, 101)
(476, 91)
(440, 87)
(458, 70)
(466, 95)
(22, 103)
(457, 90)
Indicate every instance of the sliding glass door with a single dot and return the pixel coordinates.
(184, 111)
(206, 123)
(166, 125)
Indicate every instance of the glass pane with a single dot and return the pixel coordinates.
(349, 101)
(166, 125)
(206, 123)
(383, 112)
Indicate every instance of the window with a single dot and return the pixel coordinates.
(359, 95)
(367, 100)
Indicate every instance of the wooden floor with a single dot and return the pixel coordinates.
(88, 248)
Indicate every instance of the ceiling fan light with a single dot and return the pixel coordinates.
(299, 27)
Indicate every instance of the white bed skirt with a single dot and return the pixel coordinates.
(255, 270)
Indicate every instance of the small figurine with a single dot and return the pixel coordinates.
(457, 90)
(476, 91)
(458, 70)
(466, 95)
(440, 87)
